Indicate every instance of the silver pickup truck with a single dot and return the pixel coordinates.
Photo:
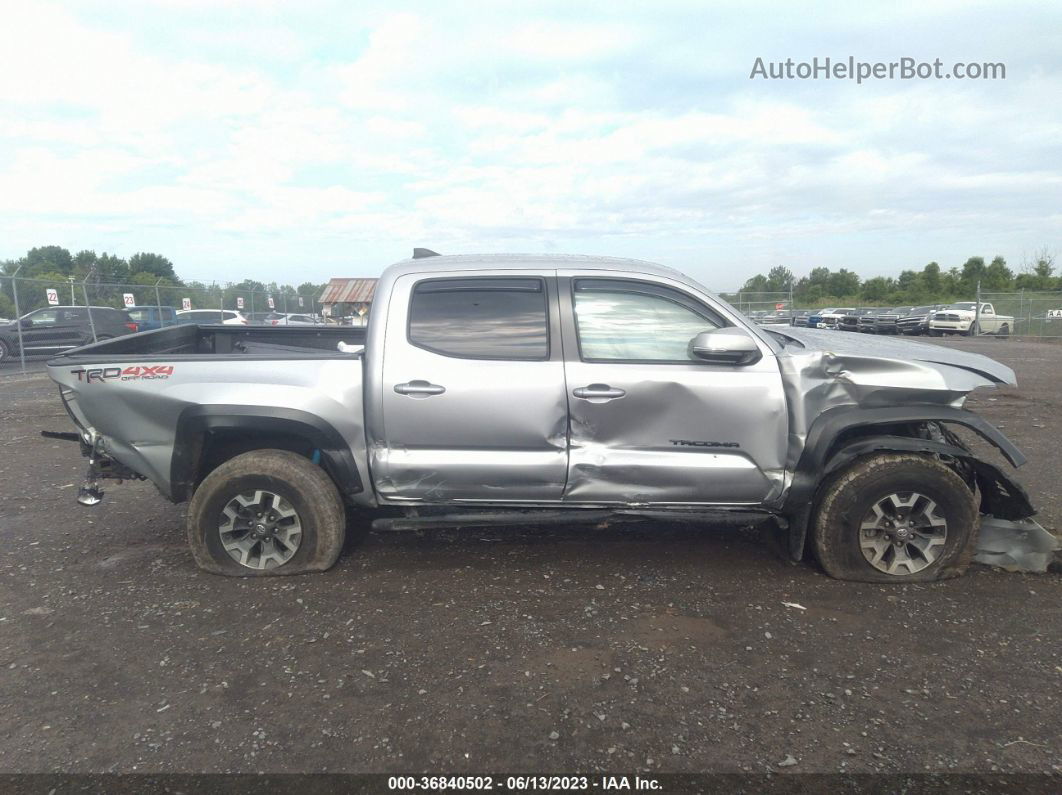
(494, 390)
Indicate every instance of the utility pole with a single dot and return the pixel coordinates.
(18, 319)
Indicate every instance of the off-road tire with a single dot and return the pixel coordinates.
(304, 485)
(845, 499)
(1004, 330)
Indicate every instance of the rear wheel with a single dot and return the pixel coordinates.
(1004, 330)
(5, 352)
(266, 512)
(898, 517)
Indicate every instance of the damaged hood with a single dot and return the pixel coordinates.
(863, 349)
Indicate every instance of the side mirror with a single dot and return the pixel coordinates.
(725, 346)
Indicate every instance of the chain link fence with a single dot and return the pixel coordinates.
(31, 300)
(1037, 314)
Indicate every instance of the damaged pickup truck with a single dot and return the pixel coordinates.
(520, 390)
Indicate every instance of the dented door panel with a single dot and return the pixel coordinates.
(689, 433)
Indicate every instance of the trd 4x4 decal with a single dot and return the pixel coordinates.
(143, 372)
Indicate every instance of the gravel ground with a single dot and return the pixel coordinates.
(662, 649)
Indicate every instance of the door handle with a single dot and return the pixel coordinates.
(419, 389)
(598, 391)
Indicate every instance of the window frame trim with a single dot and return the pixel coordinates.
(544, 292)
(656, 291)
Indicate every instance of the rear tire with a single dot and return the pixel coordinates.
(895, 518)
(5, 352)
(266, 513)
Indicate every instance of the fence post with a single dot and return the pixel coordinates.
(286, 318)
(977, 311)
(18, 319)
(88, 308)
(158, 304)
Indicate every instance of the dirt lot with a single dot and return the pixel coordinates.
(662, 649)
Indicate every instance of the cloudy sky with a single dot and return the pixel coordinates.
(297, 141)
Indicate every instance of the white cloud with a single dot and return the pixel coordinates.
(330, 132)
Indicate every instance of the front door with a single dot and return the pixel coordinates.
(648, 423)
(472, 393)
(46, 332)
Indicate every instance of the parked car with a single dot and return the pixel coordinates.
(260, 318)
(227, 317)
(149, 318)
(850, 321)
(963, 318)
(828, 318)
(886, 320)
(279, 319)
(780, 317)
(459, 406)
(916, 321)
(800, 317)
(54, 329)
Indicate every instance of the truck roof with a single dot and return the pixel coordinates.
(474, 262)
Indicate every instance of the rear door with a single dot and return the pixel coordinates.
(473, 397)
(648, 423)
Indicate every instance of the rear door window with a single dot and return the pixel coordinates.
(489, 318)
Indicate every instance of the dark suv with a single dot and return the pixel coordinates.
(59, 328)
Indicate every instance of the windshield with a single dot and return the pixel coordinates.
(968, 306)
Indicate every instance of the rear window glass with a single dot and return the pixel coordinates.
(501, 318)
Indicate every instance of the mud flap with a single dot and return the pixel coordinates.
(1015, 545)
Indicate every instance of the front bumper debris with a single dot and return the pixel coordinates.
(1016, 545)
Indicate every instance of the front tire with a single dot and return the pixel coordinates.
(895, 518)
(266, 513)
(5, 352)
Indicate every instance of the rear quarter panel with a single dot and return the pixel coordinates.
(136, 407)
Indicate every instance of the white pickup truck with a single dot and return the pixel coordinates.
(962, 318)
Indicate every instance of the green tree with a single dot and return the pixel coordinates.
(757, 284)
(973, 271)
(875, 290)
(157, 264)
(997, 276)
(844, 283)
(779, 278)
(931, 278)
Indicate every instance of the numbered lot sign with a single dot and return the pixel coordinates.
(239, 302)
(53, 297)
(300, 300)
(1052, 313)
(128, 299)
(186, 303)
(271, 304)
(779, 306)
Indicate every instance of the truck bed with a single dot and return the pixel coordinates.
(195, 341)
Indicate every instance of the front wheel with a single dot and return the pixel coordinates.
(266, 512)
(896, 517)
(5, 352)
